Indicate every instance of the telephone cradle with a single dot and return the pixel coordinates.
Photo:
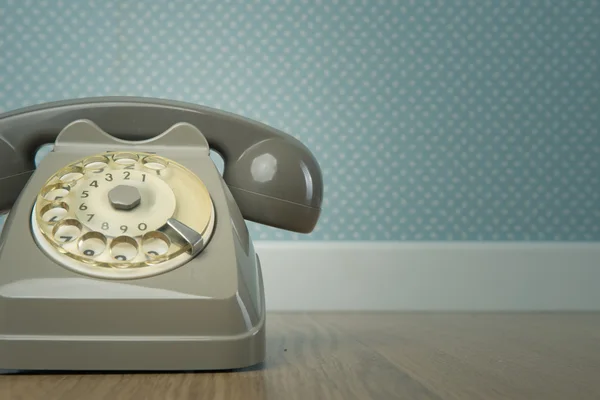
(126, 248)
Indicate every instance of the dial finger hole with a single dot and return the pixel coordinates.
(92, 244)
(125, 158)
(67, 230)
(96, 163)
(154, 163)
(55, 192)
(71, 175)
(155, 244)
(123, 248)
(54, 212)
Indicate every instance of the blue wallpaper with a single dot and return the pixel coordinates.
(433, 120)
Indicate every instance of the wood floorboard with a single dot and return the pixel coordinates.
(374, 356)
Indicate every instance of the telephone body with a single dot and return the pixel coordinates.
(126, 249)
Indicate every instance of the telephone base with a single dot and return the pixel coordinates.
(168, 334)
(63, 353)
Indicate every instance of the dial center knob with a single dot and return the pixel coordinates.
(124, 197)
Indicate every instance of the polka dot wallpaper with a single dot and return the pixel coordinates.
(432, 120)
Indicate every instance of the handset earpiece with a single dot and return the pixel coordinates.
(273, 177)
(277, 182)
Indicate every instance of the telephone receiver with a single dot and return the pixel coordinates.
(273, 177)
(126, 248)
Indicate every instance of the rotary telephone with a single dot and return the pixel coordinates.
(126, 249)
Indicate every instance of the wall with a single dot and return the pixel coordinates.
(456, 120)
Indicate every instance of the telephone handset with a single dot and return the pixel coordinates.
(126, 248)
(273, 177)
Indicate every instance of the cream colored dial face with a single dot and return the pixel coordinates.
(92, 204)
(112, 215)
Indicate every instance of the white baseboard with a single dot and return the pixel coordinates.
(431, 276)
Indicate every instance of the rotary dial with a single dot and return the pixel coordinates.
(123, 215)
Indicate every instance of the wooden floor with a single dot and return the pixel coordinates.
(375, 356)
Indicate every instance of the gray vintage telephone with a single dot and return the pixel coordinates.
(126, 249)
